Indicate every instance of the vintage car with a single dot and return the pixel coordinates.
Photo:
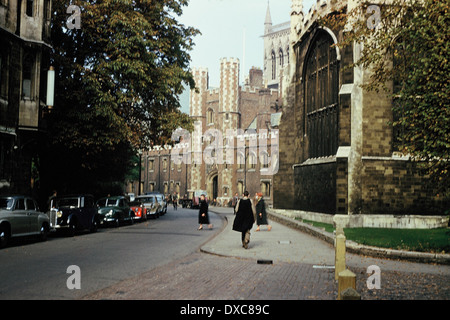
(140, 212)
(151, 205)
(192, 200)
(161, 200)
(20, 216)
(114, 211)
(74, 212)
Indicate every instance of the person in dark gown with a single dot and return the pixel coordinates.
(245, 218)
(261, 214)
(203, 216)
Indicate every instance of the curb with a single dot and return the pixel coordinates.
(353, 247)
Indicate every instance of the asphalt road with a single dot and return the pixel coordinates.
(39, 270)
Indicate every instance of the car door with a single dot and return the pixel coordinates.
(32, 215)
(19, 218)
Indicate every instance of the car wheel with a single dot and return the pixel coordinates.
(44, 232)
(4, 236)
(72, 228)
(116, 223)
(94, 226)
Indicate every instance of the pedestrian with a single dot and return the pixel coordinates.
(261, 214)
(245, 218)
(203, 217)
(175, 201)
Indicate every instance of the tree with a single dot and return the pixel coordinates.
(406, 43)
(118, 81)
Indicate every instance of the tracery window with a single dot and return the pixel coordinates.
(321, 96)
(274, 66)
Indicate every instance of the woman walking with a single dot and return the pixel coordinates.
(203, 217)
(261, 214)
(244, 219)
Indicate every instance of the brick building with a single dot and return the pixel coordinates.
(251, 107)
(337, 150)
(24, 61)
(236, 164)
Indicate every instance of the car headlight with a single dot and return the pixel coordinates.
(59, 214)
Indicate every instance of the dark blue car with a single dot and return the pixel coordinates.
(75, 212)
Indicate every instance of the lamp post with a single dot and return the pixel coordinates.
(50, 88)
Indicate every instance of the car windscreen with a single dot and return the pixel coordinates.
(147, 200)
(67, 203)
(135, 203)
(6, 203)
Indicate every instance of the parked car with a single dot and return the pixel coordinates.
(162, 200)
(74, 212)
(151, 205)
(140, 211)
(114, 210)
(20, 216)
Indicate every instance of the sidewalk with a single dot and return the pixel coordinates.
(292, 241)
(281, 244)
(281, 264)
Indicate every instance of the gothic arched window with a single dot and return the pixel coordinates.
(321, 96)
(280, 53)
(274, 66)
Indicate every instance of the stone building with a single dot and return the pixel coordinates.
(276, 50)
(24, 61)
(337, 150)
(236, 164)
(249, 110)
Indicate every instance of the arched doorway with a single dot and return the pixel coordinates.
(213, 186)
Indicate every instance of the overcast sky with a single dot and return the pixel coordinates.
(226, 25)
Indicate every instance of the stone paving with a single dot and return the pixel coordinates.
(300, 267)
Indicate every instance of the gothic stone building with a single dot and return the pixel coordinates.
(230, 107)
(337, 153)
(24, 60)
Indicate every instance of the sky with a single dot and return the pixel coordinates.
(226, 25)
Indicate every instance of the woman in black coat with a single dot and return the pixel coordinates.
(244, 219)
(203, 217)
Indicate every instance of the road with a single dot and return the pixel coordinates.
(38, 270)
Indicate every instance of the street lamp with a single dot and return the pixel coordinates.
(50, 87)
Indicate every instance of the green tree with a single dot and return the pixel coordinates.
(119, 78)
(406, 45)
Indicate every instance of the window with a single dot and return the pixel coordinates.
(3, 72)
(274, 66)
(30, 204)
(321, 96)
(164, 164)
(20, 204)
(265, 188)
(264, 157)
(27, 75)
(151, 164)
(240, 160)
(280, 53)
(29, 9)
(210, 116)
(251, 161)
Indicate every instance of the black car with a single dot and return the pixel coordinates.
(75, 212)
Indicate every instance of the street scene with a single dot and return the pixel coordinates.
(228, 157)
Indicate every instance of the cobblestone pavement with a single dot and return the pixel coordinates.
(237, 275)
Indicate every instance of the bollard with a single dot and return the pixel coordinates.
(339, 258)
(347, 279)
